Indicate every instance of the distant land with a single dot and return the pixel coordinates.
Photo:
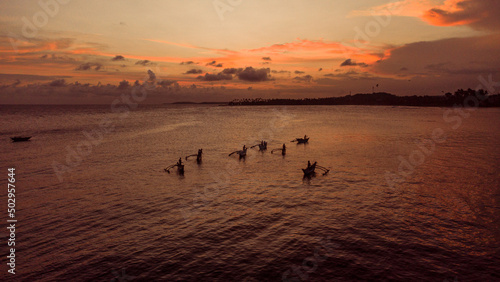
(467, 98)
(200, 103)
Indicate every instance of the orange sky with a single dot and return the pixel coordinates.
(290, 48)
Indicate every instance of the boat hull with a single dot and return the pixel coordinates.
(20, 138)
(302, 140)
(180, 169)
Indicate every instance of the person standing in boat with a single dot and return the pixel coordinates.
(198, 157)
(308, 164)
(179, 163)
(283, 150)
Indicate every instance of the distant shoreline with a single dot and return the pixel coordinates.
(467, 98)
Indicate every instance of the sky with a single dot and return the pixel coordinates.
(76, 52)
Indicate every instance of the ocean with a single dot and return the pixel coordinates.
(412, 194)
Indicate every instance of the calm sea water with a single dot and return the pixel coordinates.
(113, 214)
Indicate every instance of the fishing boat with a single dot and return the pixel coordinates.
(20, 138)
(241, 153)
(309, 171)
(263, 147)
(198, 156)
(180, 169)
(302, 140)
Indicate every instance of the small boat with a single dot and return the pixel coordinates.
(20, 138)
(263, 147)
(242, 153)
(198, 156)
(302, 140)
(309, 171)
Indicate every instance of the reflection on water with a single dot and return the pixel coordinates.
(255, 218)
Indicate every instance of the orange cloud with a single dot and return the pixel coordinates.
(479, 14)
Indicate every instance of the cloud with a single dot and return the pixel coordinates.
(280, 71)
(166, 82)
(187, 63)
(350, 62)
(453, 56)
(57, 57)
(152, 75)
(479, 14)
(89, 66)
(305, 78)
(124, 84)
(232, 70)
(58, 83)
(118, 58)
(215, 77)
(144, 62)
(266, 58)
(194, 71)
(254, 75)
(299, 72)
(214, 64)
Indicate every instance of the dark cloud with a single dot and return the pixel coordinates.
(194, 71)
(89, 66)
(299, 72)
(266, 58)
(118, 58)
(187, 63)
(320, 69)
(144, 62)
(123, 84)
(214, 64)
(254, 75)
(57, 57)
(58, 83)
(479, 14)
(152, 75)
(166, 82)
(305, 78)
(280, 71)
(232, 70)
(454, 56)
(350, 62)
(215, 77)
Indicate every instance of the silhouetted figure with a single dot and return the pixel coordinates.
(283, 150)
(308, 164)
(179, 163)
(198, 157)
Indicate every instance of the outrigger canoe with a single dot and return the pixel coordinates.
(180, 169)
(310, 170)
(20, 138)
(302, 140)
